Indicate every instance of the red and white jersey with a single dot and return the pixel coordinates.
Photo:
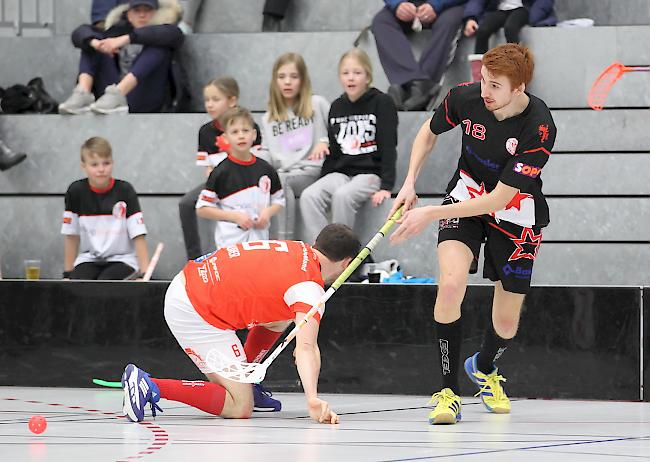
(106, 220)
(252, 283)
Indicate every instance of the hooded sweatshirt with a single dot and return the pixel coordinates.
(363, 137)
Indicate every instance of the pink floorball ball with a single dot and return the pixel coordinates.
(37, 424)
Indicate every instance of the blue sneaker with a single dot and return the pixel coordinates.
(263, 401)
(138, 391)
(489, 387)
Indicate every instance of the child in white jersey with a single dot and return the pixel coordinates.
(102, 223)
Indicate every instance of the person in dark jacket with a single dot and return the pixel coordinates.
(129, 62)
(360, 160)
(414, 83)
(485, 17)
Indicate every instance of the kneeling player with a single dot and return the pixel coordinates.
(262, 286)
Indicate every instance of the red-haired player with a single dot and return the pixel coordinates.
(262, 286)
(495, 196)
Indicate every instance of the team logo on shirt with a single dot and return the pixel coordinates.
(529, 239)
(119, 210)
(265, 184)
(511, 145)
(543, 132)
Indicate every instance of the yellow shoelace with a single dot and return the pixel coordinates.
(493, 385)
(442, 396)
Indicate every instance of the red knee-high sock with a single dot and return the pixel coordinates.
(258, 342)
(207, 396)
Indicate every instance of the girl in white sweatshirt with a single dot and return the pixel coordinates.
(293, 129)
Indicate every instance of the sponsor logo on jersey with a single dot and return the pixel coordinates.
(527, 170)
(517, 271)
(203, 274)
(233, 251)
(209, 199)
(67, 220)
(449, 223)
(543, 132)
(119, 210)
(204, 257)
(487, 163)
(511, 145)
(265, 184)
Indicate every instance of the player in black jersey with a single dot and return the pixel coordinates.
(495, 197)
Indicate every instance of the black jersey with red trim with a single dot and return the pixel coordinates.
(241, 186)
(106, 220)
(512, 151)
(213, 146)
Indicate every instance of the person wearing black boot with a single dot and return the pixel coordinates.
(9, 158)
(274, 12)
(414, 83)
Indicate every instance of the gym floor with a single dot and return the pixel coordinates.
(84, 423)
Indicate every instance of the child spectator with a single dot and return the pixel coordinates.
(485, 17)
(243, 192)
(219, 95)
(102, 223)
(360, 163)
(129, 62)
(294, 128)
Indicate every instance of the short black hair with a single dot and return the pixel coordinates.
(337, 242)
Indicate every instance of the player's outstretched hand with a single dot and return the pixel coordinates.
(320, 411)
(412, 223)
(406, 197)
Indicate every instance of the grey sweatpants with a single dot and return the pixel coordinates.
(346, 194)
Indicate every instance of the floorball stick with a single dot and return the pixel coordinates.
(153, 262)
(254, 372)
(606, 80)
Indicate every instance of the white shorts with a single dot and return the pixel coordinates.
(193, 333)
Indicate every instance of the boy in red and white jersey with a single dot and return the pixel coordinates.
(262, 286)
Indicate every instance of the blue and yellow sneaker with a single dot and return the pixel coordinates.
(138, 391)
(263, 401)
(490, 390)
(447, 410)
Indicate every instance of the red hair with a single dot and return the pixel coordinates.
(511, 60)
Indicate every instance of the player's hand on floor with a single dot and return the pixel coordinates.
(412, 223)
(320, 411)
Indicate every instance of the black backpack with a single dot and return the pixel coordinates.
(28, 99)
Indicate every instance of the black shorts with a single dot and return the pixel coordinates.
(509, 253)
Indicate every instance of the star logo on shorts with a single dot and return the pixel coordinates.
(528, 238)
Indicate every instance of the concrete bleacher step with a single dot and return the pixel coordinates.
(568, 61)
(575, 262)
(156, 152)
(219, 16)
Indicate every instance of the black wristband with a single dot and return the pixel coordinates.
(66, 274)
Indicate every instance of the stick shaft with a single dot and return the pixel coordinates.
(153, 262)
(354, 264)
